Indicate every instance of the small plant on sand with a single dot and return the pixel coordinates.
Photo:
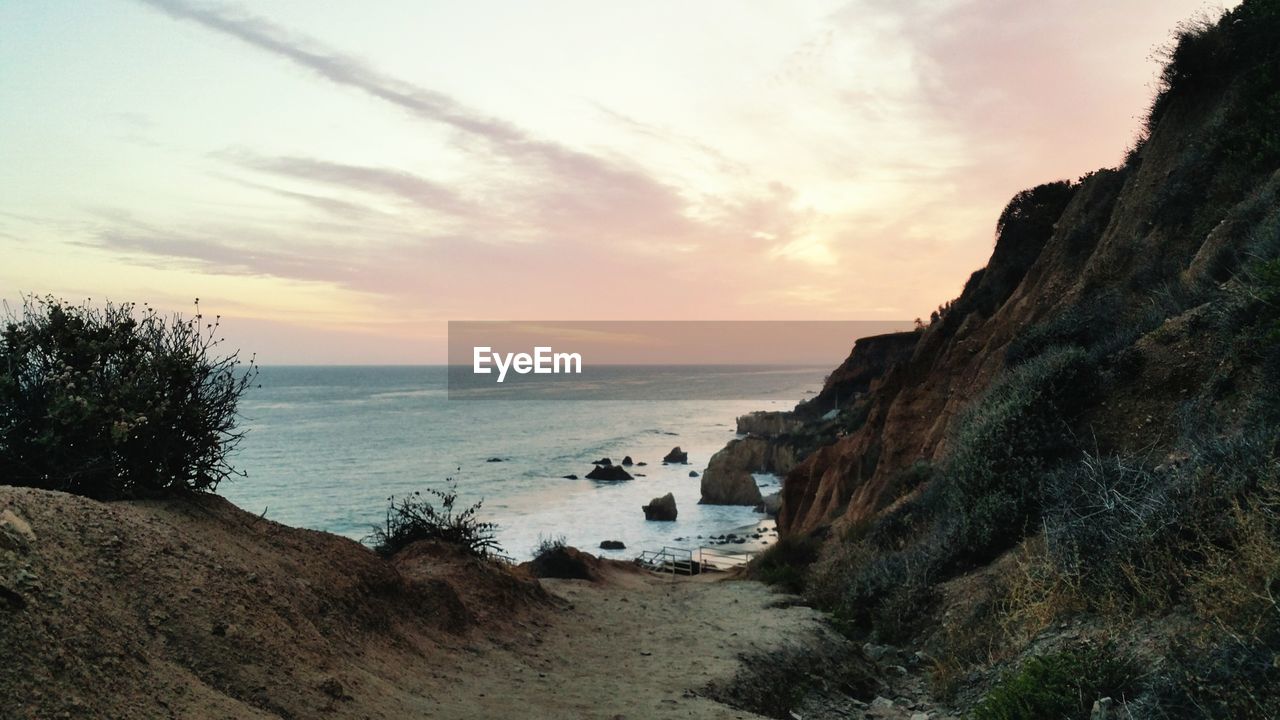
(417, 517)
(116, 402)
(550, 544)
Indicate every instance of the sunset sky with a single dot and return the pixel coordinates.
(338, 179)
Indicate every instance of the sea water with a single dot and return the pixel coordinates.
(327, 446)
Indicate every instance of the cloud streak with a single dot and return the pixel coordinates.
(422, 192)
(582, 173)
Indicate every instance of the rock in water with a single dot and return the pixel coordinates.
(608, 472)
(676, 456)
(661, 508)
(626, 460)
(613, 545)
(693, 473)
(570, 477)
(728, 479)
(602, 461)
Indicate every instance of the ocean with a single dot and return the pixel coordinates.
(327, 446)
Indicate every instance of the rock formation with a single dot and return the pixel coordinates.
(728, 480)
(608, 472)
(661, 508)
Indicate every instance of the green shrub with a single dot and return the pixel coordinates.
(548, 544)
(1232, 63)
(1094, 326)
(786, 562)
(984, 499)
(416, 517)
(1060, 686)
(114, 402)
(1006, 442)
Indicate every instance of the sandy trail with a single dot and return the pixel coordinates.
(634, 646)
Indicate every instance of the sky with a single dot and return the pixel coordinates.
(338, 180)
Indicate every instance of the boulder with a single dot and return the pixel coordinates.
(613, 545)
(676, 456)
(626, 461)
(571, 477)
(693, 473)
(608, 472)
(661, 508)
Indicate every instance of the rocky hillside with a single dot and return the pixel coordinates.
(1124, 251)
(1083, 416)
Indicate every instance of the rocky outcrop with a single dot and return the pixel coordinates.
(870, 358)
(676, 456)
(728, 480)
(769, 423)
(626, 461)
(661, 508)
(608, 472)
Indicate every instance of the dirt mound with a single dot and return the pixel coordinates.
(194, 608)
(565, 563)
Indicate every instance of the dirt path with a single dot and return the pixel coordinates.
(635, 646)
(643, 646)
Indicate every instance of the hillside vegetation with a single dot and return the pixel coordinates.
(1070, 487)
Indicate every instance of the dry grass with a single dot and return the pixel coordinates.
(1236, 586)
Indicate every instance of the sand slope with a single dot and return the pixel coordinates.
(194, 608)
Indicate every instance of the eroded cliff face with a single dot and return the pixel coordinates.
(1116, 242)
(867, 362)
